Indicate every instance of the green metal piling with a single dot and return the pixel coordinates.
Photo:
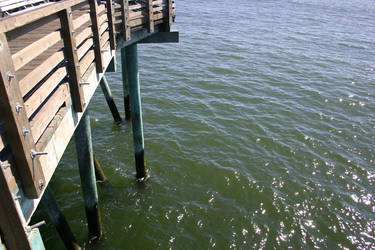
(109, 98)
(87, 174)
(58, 220)
(125, 84)
(132, 75)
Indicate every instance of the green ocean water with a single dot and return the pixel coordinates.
(259, 134)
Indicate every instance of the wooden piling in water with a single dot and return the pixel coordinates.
(132, 75)
(125, 84)
(109, 98)
(87, 174)
(58, 220)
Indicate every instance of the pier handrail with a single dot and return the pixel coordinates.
(43, 72)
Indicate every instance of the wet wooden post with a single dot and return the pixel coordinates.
(58, 220)
(132, 73)
(99, 173)
(125, 84)
(109, 98)
(87, 172)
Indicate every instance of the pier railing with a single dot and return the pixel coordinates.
(47, 56)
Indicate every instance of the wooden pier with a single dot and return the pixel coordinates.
(53, 56)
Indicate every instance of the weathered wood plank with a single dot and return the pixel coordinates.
(17, 127)
(125, 20)
(103, 28)
(45, 115)
(11, 224)
(13, 22)
(83, 35)
(77, 23)
(11, 35)
(30, 80)
(71, 56)
(101, 9)
(96, 35)
(86, 61)
(104, 38)
(150, 14)
(84, 48)
(111, 27)
(170, 15)
(35, 49)
(41, 94)
(102, 19)
(10, 173)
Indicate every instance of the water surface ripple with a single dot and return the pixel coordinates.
(259, 131)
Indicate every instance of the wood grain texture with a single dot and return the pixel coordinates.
(42, 93)
(111, 27)
(37, 74)
(17, 127)
(71, 56)
(96, 35)
(45, 115)
(27, 54)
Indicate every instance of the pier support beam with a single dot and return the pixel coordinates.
(109, 98)
(58, 220)
(132, 76)
(87, 173)
(125, 84)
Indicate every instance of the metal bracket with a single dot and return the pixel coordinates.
(18, 107)
(28, 229)
(10, 77)
(25, 131)
(4, 165)
(33, 153)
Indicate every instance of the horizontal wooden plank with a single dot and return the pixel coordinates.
(101, 8)
(103, 28)
(104, 38)
(103, 18)
(41, 94)
(36, 75)
(45, 115)
(35, 49)
(84, 34)
(77, 23)
(86, 61)
(84, 48)
(13, 22)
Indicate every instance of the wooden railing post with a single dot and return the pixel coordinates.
(111, 27)
(17, 126)
(170, 15)
(71, 57)
(125, 20)
(96, 36)
(150, 11)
